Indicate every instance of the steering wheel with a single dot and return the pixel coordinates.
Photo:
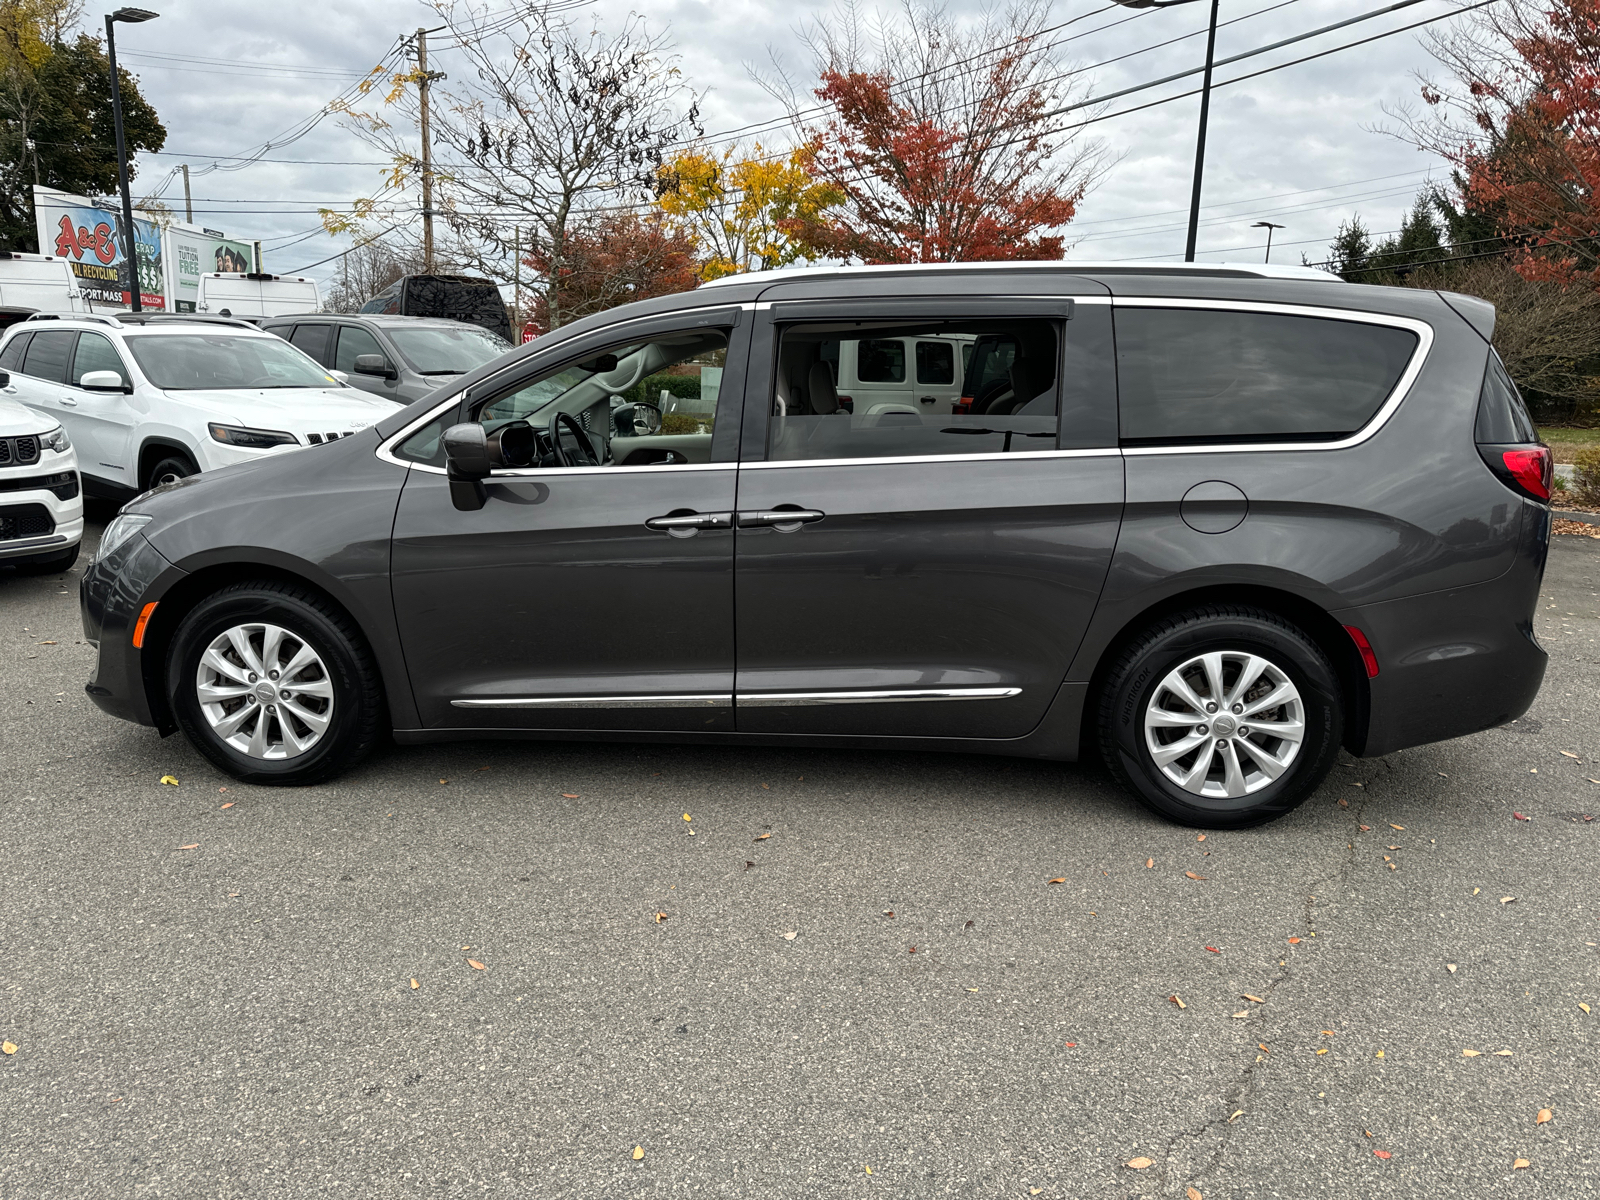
(584, 455)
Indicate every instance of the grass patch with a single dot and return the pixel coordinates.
(1565, 442)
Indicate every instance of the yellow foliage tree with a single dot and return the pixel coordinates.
(744, 212)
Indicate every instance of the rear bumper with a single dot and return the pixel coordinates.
(1454, 662)
(113, 591)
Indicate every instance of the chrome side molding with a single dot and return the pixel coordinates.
(889, 696)
(698, 700)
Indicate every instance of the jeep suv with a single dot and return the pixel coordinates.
(1217, 523)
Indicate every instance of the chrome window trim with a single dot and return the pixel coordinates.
(934, 297)
(886, 696)
(694, 700)
(1402, 387)
(994, 456)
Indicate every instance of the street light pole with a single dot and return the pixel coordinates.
(1269, 227)
(130, 16)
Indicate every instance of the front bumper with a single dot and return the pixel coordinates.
(23, 492)
(114, 590)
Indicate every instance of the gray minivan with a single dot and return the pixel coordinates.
(1217, 523)
(398, 358)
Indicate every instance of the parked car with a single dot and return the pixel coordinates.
(31, 283)
(920, 374)
(1230, 520)
(458, 297)
(41, 502)
(254, 295)
(399, 358)
(152, 398)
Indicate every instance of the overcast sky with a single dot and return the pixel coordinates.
(1296, 146)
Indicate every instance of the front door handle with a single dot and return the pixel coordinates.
(687, 524)
(69, 402)
(784, 520)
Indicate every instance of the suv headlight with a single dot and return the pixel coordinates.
(251, 439)
(123, 526)
(56, 440)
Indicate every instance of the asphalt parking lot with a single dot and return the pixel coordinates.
(764, 973)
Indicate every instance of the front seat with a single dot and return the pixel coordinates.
(1025, 385)
(820, 391)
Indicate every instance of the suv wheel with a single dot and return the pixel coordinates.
(274, 685)
(1221, 717)
(169, 469)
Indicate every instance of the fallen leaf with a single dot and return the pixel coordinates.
(8, 1047)
(1469, 1054)
(1380, 1154)
(1344, 804)
(1585, 1007)
(1324, 1050)
(761, 837)
(1139, 1164)
(765, 788)
(476, 965)
(1238, 1112)
(1213, 950)
(1033, 1191)
(1507, 899)
(868, 1169)
(171, 780)
(1192, 875)
(1475, 891)
(748, 864)
(1239, 1016)
(888, 912)
(1544, 1115)
(1070, 1045)
(447, 781)
(1200, 838)
(1327, 1033)
(1503, 1053)
(230, 804)
(1294, 941)
(1451, 967)
(1192, 1194)
(660, 917)
(1253, 999)
(913, 950)
(791, 935)
(638, 1153)
(968, 925)
(564, 795)
(1149, 862)
(1062, 879)
(685, 815)
(1401, 828)
(52, 644)
(415, 985)
(1262, 1046)
(1519, 816)
(1568, 753)
(1533, 770)
(1174, 999)
(1380, 1053)
(190, 846)
(1366, 829)
(1520, 1164)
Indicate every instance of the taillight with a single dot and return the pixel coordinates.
(1368, 658)
(963, 405)
(1532, 468)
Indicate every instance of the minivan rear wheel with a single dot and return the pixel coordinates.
(1221, 717)
(274, 684)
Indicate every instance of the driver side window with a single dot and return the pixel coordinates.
(651, 402)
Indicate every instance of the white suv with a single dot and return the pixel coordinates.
(41, 506)
(148, 398)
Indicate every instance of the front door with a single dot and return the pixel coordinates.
(924, 573)
(594, 594)
(102, 421)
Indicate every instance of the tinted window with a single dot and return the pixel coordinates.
(1211, 376)
(1502, 417)
(354, 340)
(96, 353)
(11, 356)
(809, 423)
(47, 355)
(936, 362)
(313, 339)
(881, 362)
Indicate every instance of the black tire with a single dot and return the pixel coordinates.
(169, 468)
(54, 565)
(356, 697)
(1145, 666)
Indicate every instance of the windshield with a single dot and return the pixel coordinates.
(187, 362)
(442, 350)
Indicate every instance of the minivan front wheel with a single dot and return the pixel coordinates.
(274, 684)
(1221, 717)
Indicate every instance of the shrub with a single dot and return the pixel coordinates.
(1586, 477)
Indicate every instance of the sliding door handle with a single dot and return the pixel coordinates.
(784, 520)
(687, 524)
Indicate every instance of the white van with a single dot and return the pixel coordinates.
(254, 295)
(899, 374)
(31, 283)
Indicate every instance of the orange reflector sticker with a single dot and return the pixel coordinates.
(138, 626)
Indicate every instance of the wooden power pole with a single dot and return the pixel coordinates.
(424, 78)
(188, 204)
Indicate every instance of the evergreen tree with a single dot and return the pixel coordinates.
(1351, 251)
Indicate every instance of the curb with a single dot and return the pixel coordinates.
(1570, 514)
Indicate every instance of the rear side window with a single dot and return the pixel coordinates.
(1502, 417)
(11, 356)
(1197, 375)
(936, 362)
(48, 354)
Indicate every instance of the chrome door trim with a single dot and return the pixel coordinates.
(693, 700)
(1402, 386)
(994, 456)
(889, 696)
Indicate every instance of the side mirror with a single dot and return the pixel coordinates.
(375, 364)
(466, 460)
(636, 420)
(5, 379)
(102, 381)
(341, 376)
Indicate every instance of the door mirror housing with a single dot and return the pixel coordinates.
(467, 465)
(5, 379)
(341, 376)
(375, 364)
(636, 420)
(103, 381)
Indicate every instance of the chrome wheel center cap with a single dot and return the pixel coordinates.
(1223, 724)
(266, 693)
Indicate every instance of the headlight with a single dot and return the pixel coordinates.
(55, 440)
(123, 526)
(252, 439)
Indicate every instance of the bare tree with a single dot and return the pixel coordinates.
(556, 125)
(367, 270)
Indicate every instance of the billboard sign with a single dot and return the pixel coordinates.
(193, 252)
(89, 237)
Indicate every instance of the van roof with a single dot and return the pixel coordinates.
(1059, 266)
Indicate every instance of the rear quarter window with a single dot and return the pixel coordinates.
(1190, 376)
(1502, 417)
(11, 356)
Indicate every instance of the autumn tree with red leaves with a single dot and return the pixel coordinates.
(611, 259)
(1521, 122)
(940, 138)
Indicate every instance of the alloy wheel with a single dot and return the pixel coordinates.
(264, 691)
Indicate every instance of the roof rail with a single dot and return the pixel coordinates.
(164, 318)
(74, 316)
(1066, 266)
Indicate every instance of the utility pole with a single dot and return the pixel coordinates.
(188, 203)
(424, 78)
(1269, 227)
(1200, 144)
(516, 273)
(132, 16)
